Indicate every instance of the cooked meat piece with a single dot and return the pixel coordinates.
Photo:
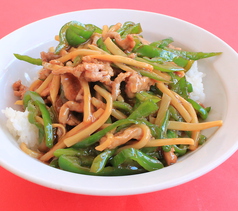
(127, 43)
(19, 89)
(71, 86)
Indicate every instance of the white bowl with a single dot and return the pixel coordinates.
(221, 78)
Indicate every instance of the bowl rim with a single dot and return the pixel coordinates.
(130, 187)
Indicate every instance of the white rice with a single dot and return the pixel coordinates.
(20, 128)
(23, 131)
(194, 77)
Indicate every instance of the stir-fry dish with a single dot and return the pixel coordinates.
(109, 102)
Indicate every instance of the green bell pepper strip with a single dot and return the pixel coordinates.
(77, 35)
(180, 87)
(163, 130)
(202, 139)
(193, 55)
(122, 106)
(179, 150)
(28, 59)
(201, 110)
(85, 155)
(72, 164)
(162, 43)
(125, 27)
(67, 151)
(36, 99)
(102, 45)
(174, 114)
(134, 29)
(151, 75)
(160, 55)
(144, 109)
(147, 162)
(165, 67)
(54, 163)
(143, 96)
(101, 160)
(63, 43)
(33, 112)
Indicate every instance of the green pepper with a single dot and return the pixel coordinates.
(202, 139)
(77, 35)
(54, 163)
(67, 151)
(180, 87)
(125, 26)
(28, 59)
(147, 162)
(193, 55)
(162, 43)
(159, 55)
(143, 96)
(101, 160)
(36, 99)
(72, 164)
(102, 45)
(144, 109)
(133, 29)
(201, 110)
(151, 75)
(174, 114)
(33, 112)
(122, 106)
(180, 150)
(165, 67)
(74, 33)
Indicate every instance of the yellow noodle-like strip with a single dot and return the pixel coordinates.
(164, 104)
(87, 114)
(96, 48)
(165, 76)
(54, 88)
(95, 125)
(122, 59)
(192, 112)
(60, 144)
(30, 152)
(142, 142)
(35, 84)
(57, 38)
(105, 29)
(54, 125)
(120, 65)
(113, 48)
(185, 126)
(175, 102)
(73, 54)
(19, 102)
(45, 83)
(115, 113)
(170, 141)
(61, 127)
(106, 143)
(115, 27)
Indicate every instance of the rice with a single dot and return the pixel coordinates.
(20, 128)
(194, 77)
